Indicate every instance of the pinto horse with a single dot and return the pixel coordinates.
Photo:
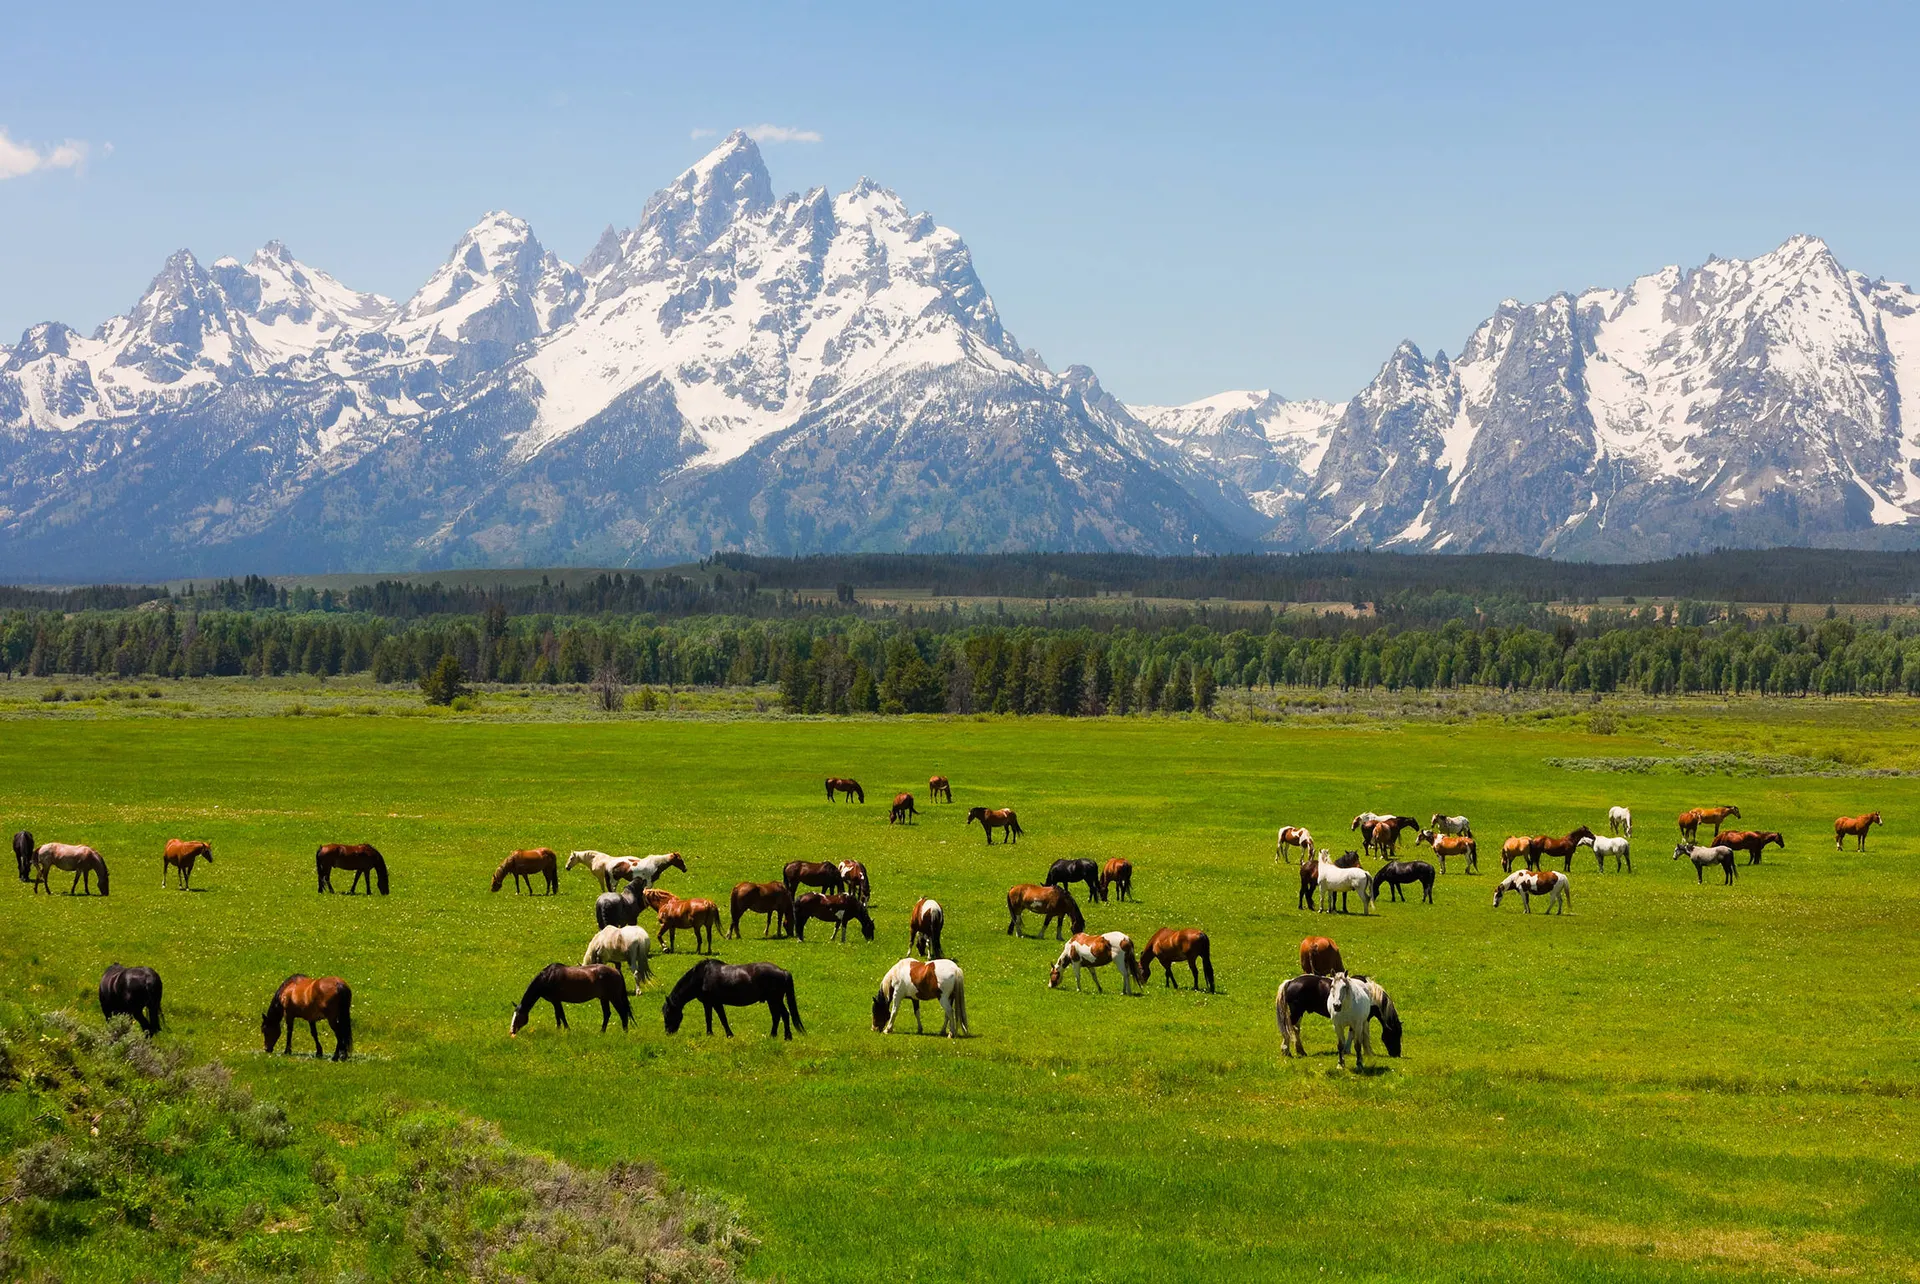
(1319, 956)
(364, 859)
(134, 991)
(812, 873)
(1751, 841)
(23, 854)
(903, 811)
(1531, 883)
(924, 924)
(1172, 945)
(180, 853)
(1116, 878)
(615, 945)
(1719, 854)
(1394, 874)
(1445, 845)
(771, 899)
(1858, 827)
(556, 983)
(82, 862)
(1091, 953)
(991, 820)
(1292, 836)
(910, 980)
(1055, 904)
(842, 785)
(1304, 994)
(301, 998)
(718, 986)
(1690, 821)
(701, 917)
(830, 909)
(857, 881)
(1076, 870)
(1542, 846)
(939, 789)
(523, 865)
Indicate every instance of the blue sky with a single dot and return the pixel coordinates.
(1186, 198)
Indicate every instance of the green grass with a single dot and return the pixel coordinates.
(1672, 1080)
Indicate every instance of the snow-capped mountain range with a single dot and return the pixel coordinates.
(821, 372)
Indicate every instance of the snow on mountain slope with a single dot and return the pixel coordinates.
(1266, 445)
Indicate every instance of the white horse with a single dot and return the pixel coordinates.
(80, 861)
(912, 980)
(1091, 952)
(1458, 826)
(1349, 1005)
(1366, 818)
(622, 944)
(1605, 847)
(1531, 883)
(607, 869)
(1334, 880)
(1293, 836)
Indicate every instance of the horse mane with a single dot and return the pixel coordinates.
(379, 866)
(546, 974)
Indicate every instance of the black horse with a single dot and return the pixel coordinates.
(1063, 872)
(622, 908)
(23, 855)
(1395, 873)
(1304, 994)
(558, 984)
(836, 909)
(134, 991)
(719, 986)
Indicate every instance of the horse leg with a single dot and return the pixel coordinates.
(76, 883)
(1193, 966)
(606, 1011)
(917, 1027)
(313, 1028)
(724, 1023)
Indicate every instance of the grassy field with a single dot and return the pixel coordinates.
(1672, 1080)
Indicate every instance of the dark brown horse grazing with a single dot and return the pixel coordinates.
(1172, 945)
(771, 899)
(701, 917)
(857, 881)
(1319, 956)
(1055, 904)
(842, 785)
(364, 859)
(838, 910)
(813, 873)
(301, 998)
(23, 855)
(1067, 871)
(180, 853)
(134, 991)
(992, 820)
(1116, 879)
(556, 983)
(1542, 847)
(1751, 841)
(523, 865)
(903, 811)
(924, 926)
(1857, 826)
(718, 986)
(939, 789)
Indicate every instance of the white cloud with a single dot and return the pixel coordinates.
(782, 134)
(20, 159)
(699, 134)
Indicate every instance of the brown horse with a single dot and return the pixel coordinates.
(842, 785)
(1690, 821)
(696, 915)
(770, 899)
(939, 789)
(1055, 904)
(82, 862)
(1541, 846)
(1445, 845)
(992, 820)
(556, 983)
(1516, 848)
(180, 853)
(813, 873)
(1172, 945)
(301, 998)
(1116, 878)
(902, 810)
(1383, 835)
(1857, 826)
(1319, 956)
(1752, 842)
(364, 859)
(523, 865)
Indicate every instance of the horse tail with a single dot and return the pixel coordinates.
(343, 1036)
(960, 1003)
(642, 968)
(621, 1006)
(380, 870)
(1013, 823)
(157, 989)
(793, 1007)
(1206, 964)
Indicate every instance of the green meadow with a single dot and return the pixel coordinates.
(1673, 1080)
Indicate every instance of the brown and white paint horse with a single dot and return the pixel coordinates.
(1445, 845)
(1055, 905)
(1293, 836)
(857, 881)
(180, 854)
(924, 925)
(1092, 953)
(1856, 826)
(1531, 883)
(912, 981)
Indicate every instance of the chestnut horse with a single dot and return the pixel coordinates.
(838, 910)
(771, 899)
(1516, 848)
(924, 925)
(1055, 904)
(1751, 841)
(1690, 821)
(1382, 836)
(524, 864)
(82, 862)
(1116, 879)
(556, 983)
(364, 859)
(1445, 845)
(842, 785)
(813, 873)
(857, 881)
(1319, 956)
(1172, 945)
(1857, 826)
(1541, 846)
(939, 789)
(992, 820)
(301, 998)
(903, 811)
(180, 853)
(701, 917)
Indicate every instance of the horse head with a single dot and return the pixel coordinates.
(880, 1006)
(1336, 993)
(977, 813)
(1389, 1024)
(270, 1024)
(675, 861)
(1680, 849)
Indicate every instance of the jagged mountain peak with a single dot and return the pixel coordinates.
(688, 214)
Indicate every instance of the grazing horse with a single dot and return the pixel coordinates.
(1445, 845)
(910, 980)
(615, 945)
(857, 881)
(902, 810)
(1396, 873)
(701, 917)
(1116, 877)
(1702, 857)
(842, 785)
(1304, 994)
(1541, 846)
(1309, 882)
(523, 865)
(1350, 1006)
(1618, 848)
(1085, 950)
(1752, 842)
(1458, 826)
(1690, 821)
(1172, 945)
(1055, 904)
(924, 925)
(556, 983)
(301, 998)
(830, 909)
(364, 859)
(82, 862)
(812, 873)
(180, 853)
(622, 908)
(1516, 848)
(1336, 881)
(23, 854)
(992, 820)
(1319, 956)
(1292, 836)
(1857, 826)
(1531, 883)
(771, 899)
(939, 789)
(1383, 836)
(134, 991)
(1620, 821)
(1076, 870)
(719, 986)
